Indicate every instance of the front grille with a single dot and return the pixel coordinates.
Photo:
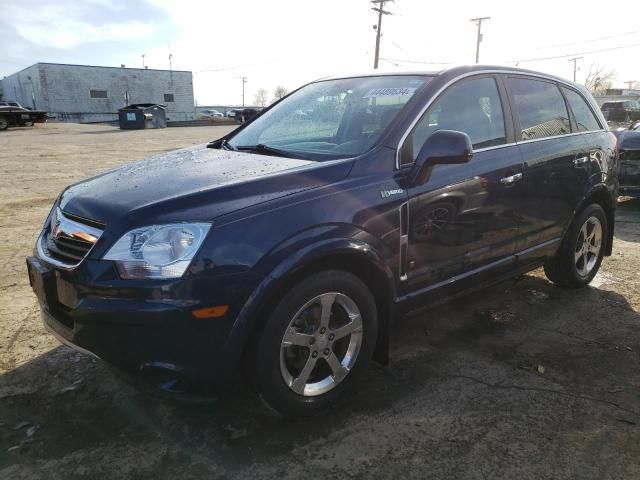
(67, 249)
(67, 240)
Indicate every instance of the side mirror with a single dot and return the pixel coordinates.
(443, 147)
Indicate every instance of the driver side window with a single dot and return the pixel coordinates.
(471, 106)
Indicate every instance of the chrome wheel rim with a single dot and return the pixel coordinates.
(321, 344)
(588, 246)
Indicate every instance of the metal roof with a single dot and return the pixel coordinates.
(100, 66)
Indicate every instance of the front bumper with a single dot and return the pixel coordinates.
(157, 340)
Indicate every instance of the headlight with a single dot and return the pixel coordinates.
(157, 251)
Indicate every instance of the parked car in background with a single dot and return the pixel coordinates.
(242, 115)
(211, 113)
(232, 113)
(12, 104)
(248, 113)
(629, 173)
(291, 248)
(621, 111)
(15, 115)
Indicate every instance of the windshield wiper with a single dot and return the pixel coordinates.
(221, 144)
(267, 150)
(226, 145)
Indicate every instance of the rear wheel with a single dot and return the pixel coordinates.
(317, 341)
(4, 123)
(581, 252)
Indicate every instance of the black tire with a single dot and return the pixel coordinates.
(265, 369)
(562, 269)
(4, 123)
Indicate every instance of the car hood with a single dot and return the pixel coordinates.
(197, 183)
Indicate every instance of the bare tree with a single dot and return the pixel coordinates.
(279, 92)
(599, 79)
(260, 98)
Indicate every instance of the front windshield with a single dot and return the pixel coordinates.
(331, 119)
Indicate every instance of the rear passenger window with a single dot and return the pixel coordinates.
(585, 119)
(471, 106)
(540, 107)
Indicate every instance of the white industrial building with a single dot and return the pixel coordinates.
(84, 93)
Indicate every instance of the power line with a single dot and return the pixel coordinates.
(13, 63)
(479, 21)
(398, 47)
(223, 69)
(381, 11)
(576, 53)
(592, 40)
(393, 60)
(246, 65)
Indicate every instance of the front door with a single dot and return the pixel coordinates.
(464, 218)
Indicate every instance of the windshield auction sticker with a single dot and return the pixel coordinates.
(390, 92)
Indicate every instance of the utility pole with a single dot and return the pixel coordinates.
(143, 55)
(630, 84)
(479, 21)
(378, 28)
(244, 81)
(575, 66)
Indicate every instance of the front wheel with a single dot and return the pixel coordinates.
(4, 123)
(317, 341)
(581, 252)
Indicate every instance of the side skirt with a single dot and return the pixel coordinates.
(499, 278)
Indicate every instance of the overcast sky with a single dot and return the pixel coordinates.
(290, 42)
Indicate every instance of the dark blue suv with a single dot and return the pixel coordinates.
(292, 245)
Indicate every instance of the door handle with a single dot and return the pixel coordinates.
(580, 161)
(510, 180)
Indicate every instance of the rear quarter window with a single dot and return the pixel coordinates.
(585, 118)
(540, 107)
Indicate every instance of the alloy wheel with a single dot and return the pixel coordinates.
(588, 245)
(321, 344)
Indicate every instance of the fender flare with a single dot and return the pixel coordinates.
(247, 320)
(604, 190)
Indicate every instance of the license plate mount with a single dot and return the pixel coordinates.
(40, 279)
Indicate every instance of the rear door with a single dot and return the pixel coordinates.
(556, 163)
(601, 161)
(464, 218)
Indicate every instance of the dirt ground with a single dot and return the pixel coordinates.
(524, 380)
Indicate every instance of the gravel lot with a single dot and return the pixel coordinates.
(523, 380)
